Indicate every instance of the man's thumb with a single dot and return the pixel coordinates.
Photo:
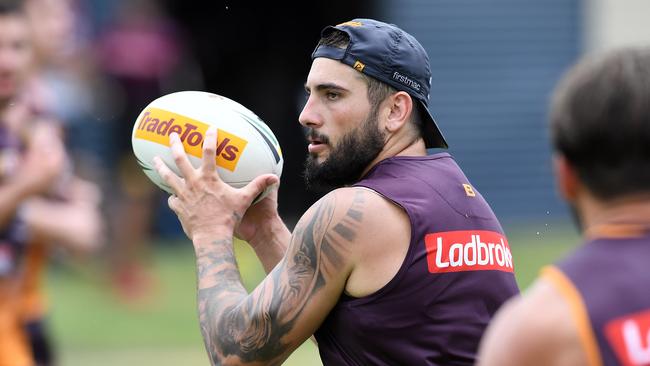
(259, 184)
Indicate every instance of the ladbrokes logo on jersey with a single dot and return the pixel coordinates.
(156, 125)
(471, 250)
(629, 336)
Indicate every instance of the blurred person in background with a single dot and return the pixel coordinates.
(402, 263)
(593, 306)
(42, 203)
(143, 55)
(64, 82)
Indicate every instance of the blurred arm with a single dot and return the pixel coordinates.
(11, 195)
(75, 223)
(42, 164)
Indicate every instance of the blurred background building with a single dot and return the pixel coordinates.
(494, 64)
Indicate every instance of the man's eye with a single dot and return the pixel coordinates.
(332, 95)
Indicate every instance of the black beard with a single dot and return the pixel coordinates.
(347, 160)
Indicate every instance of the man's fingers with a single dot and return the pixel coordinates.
(210, 150)
(258, 185)
(167, 175)
(180, 157)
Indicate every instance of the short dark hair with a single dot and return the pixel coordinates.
(600, 121)
(11, 7)
(378, 91)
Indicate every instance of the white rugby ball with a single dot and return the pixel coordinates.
(246, 146)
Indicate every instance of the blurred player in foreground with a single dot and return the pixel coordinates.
(403, 263)
(593, 307)
(41, 201)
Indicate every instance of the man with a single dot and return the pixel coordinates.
(403, 263)
(36, 192)
(593, 307)
(26, 171)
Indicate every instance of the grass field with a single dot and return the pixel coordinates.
(93, 329)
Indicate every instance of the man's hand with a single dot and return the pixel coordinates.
(258, 216)
(264, 230)
(40, 166)
(44, 160)
(205, 204)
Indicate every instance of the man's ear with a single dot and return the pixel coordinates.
(566, 178)
(400, 109)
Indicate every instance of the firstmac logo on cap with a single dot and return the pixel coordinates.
(403, 79)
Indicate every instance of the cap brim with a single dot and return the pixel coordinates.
(432, 135)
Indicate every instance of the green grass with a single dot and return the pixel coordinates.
(92, 328)
(533, 247)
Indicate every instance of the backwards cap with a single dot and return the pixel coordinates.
(389, 54)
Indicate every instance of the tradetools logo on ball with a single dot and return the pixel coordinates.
(156, 125)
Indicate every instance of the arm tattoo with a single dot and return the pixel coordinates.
(250, 327)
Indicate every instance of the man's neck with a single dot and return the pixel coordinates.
(415, 148)
(630, 211)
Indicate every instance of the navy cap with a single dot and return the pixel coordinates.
(388, 54)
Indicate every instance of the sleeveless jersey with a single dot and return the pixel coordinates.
(13, 234)
(14, 347)
(606, 283)
(457, 272)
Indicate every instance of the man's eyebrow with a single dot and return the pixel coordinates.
(326, 86)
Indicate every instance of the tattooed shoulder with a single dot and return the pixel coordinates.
(330, 230)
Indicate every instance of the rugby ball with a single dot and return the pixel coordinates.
(246, 146)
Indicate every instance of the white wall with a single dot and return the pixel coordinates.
(615, 23)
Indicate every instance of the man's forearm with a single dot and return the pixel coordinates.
(80, 232)
(219, 291)
(11, 195)
(236, 327)
(271, 243)
(264, 327)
